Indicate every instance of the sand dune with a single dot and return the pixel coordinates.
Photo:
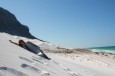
(16, 61)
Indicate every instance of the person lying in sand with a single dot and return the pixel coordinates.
(31, 47)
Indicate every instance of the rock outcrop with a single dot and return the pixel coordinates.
(9, 24)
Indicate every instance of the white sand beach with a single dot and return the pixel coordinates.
(87, 64)
(16, 61)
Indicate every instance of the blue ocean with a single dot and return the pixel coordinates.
(110, 49)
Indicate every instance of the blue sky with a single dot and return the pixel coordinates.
(70, 23)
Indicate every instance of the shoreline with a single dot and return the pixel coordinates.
(104, 51)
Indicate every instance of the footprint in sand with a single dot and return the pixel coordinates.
(5, 71)
(67, 69)
(26, 59)
(40, 60)
(26, 66)
(30, 68)
(73, 73)
(45, 73)
(35, 70)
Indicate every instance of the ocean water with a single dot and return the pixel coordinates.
(110, 49)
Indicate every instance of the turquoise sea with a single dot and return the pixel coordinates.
(110, 49)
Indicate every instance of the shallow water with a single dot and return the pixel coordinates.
(110, 49)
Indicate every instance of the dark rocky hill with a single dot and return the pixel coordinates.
(9, 24)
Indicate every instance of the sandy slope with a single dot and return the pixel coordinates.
(86, 64)
(16, 61)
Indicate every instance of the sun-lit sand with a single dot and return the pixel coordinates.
(16, 61)
(97, 64)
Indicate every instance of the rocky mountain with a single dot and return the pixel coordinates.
(9, 24)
